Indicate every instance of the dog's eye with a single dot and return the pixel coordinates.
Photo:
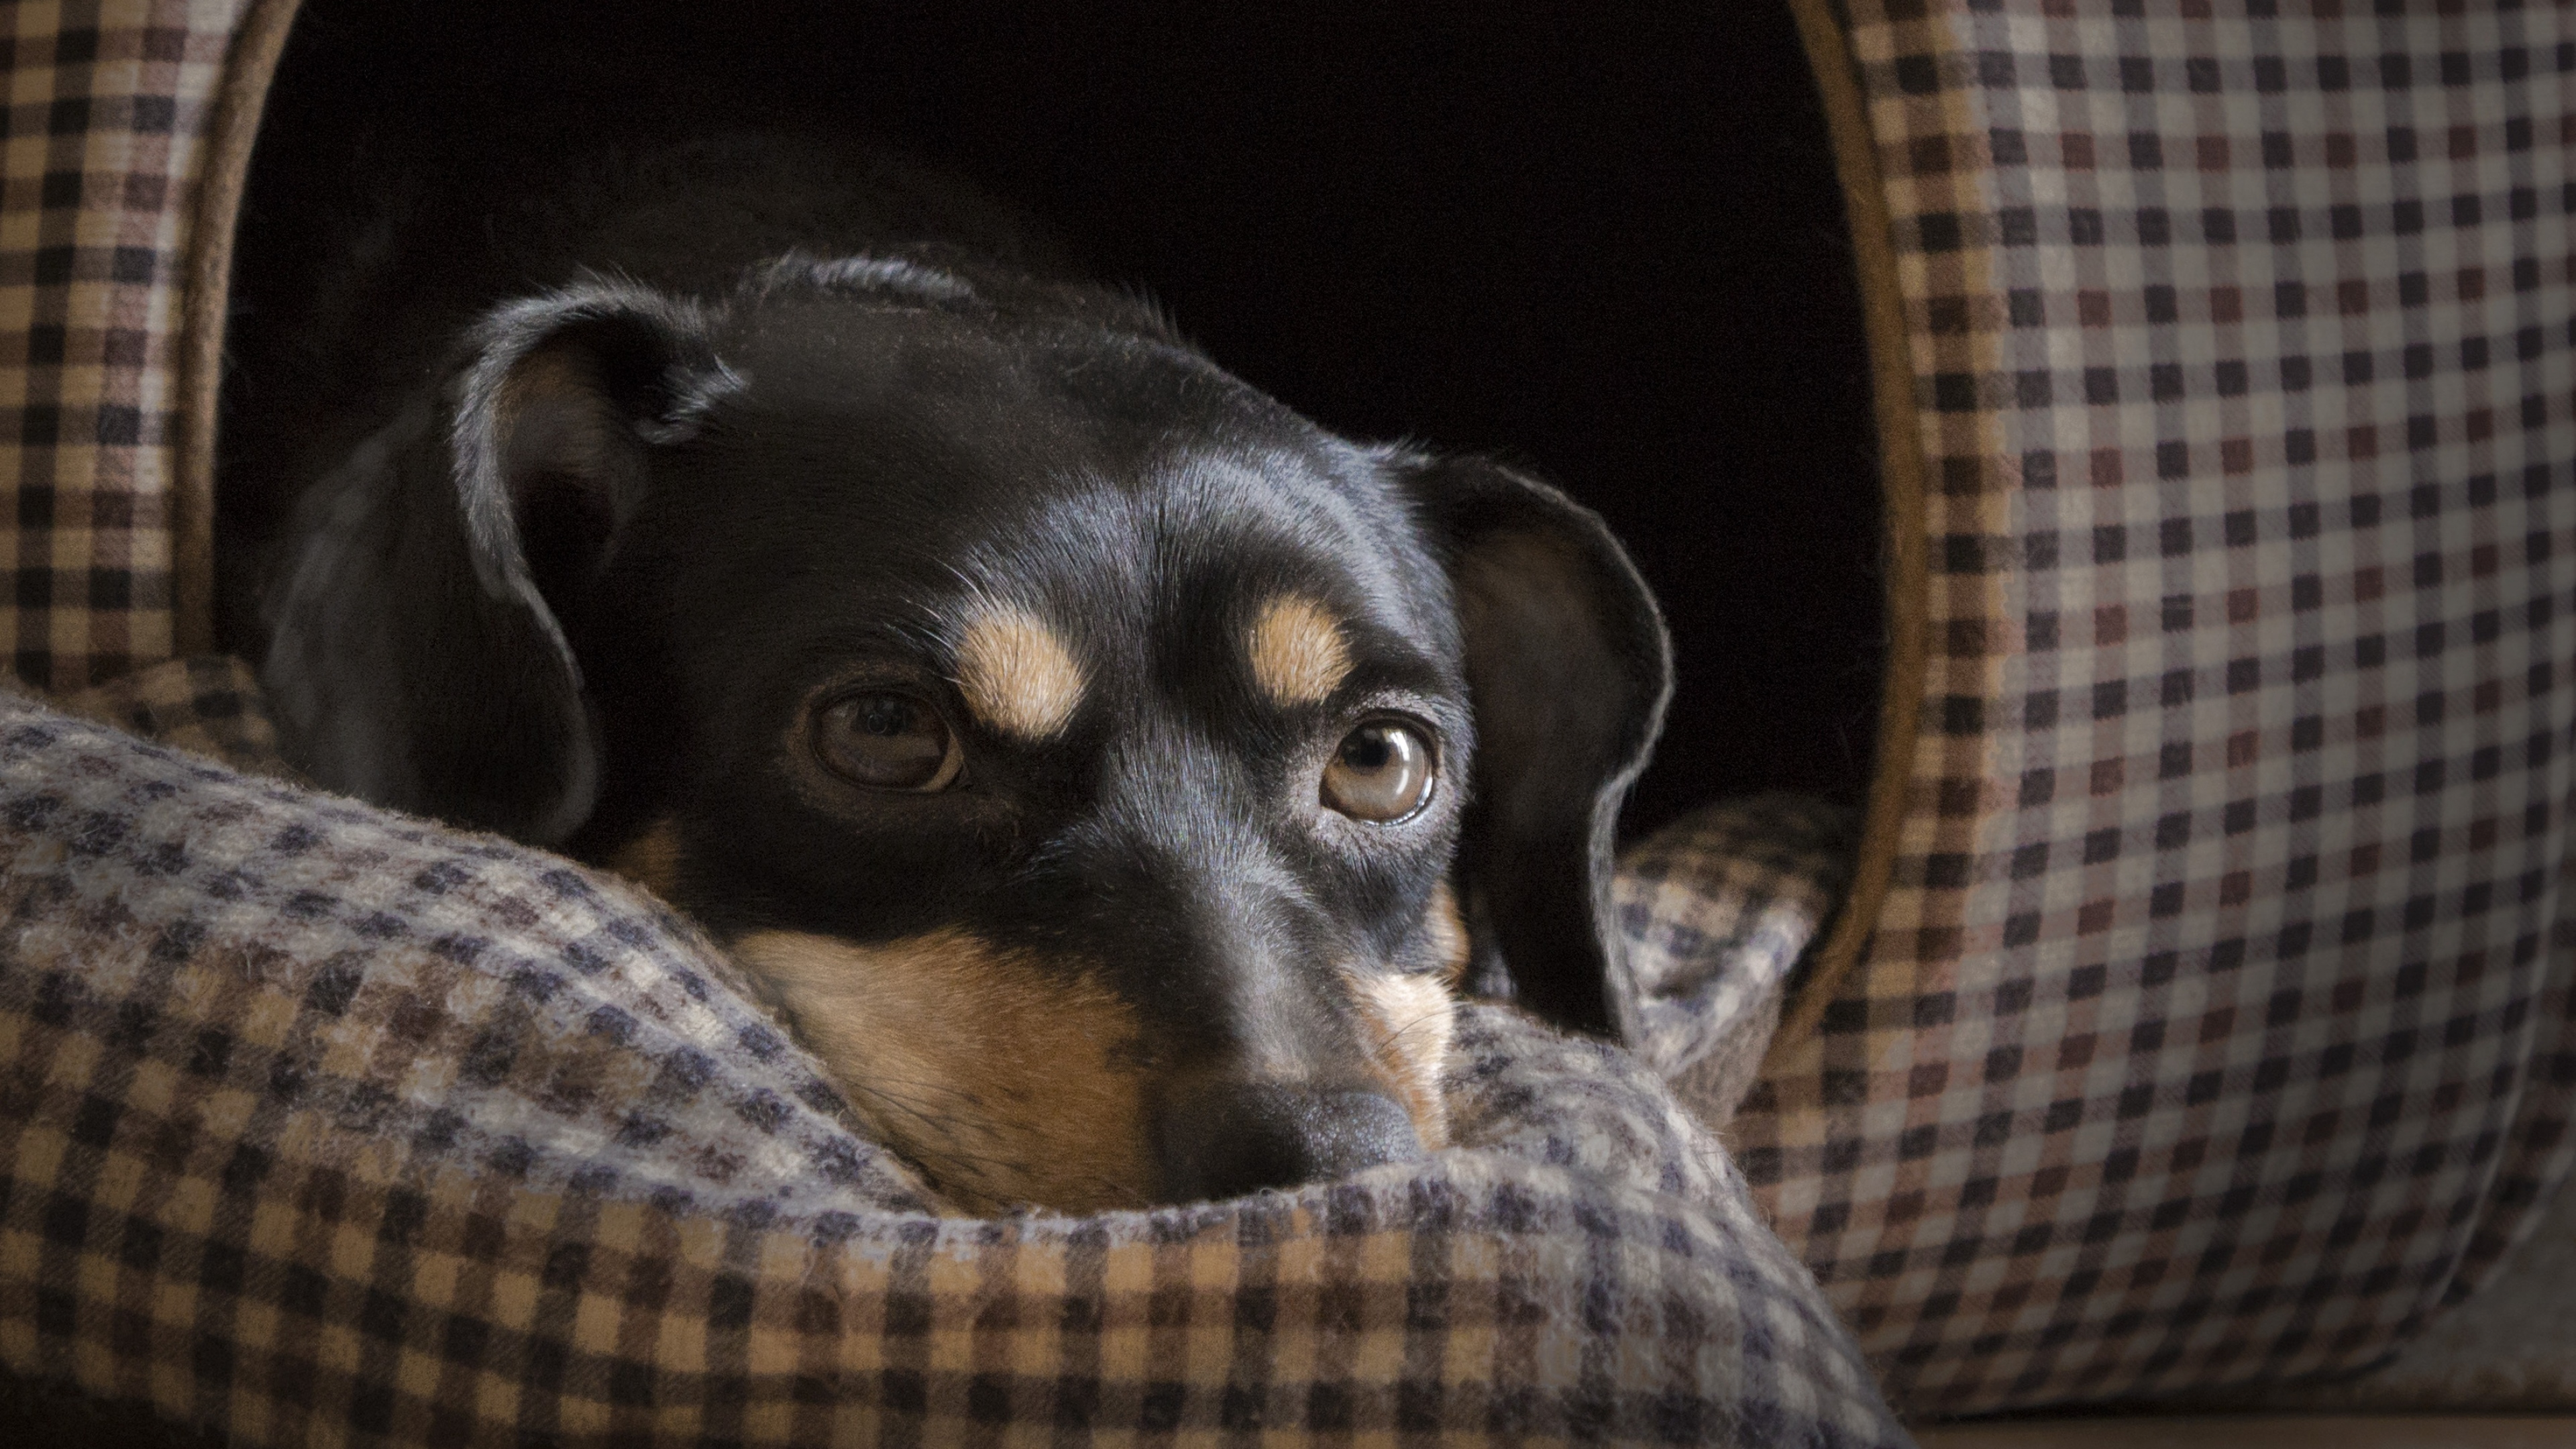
(1381, 773)
(889, 741)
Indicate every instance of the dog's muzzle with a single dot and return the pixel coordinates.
(1226, 1141)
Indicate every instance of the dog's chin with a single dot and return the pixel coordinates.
(1009, 1087)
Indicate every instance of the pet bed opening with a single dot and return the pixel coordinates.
(1607, 243)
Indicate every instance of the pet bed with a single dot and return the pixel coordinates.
(328, 1124)
(2200, 1012)
(2202, 1015)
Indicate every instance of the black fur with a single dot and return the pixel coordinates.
(616, 496)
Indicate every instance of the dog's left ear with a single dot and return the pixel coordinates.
(552, 422)
(1568, 668)
(418, 656)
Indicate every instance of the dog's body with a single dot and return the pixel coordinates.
(1108, 772)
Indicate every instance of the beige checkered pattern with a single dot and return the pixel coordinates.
(2209, 1031)
(208, 704)
(105, 111)
(1717, 910)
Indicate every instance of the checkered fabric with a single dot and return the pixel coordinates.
(320, 1124)
(206, 704)
(1718, 909)
(101, 142)
(2210, 1029)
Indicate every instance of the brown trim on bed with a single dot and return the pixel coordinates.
(240, 96)
(1901, 471)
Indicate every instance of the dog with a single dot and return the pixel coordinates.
(1110, 775)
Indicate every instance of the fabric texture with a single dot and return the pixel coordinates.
(1717, 910)
(206, 704)
(321, 1124)
(2210, 1030)
(107, 104)
(2509, 1350)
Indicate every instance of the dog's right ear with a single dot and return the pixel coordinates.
(1568, 669)
(416, 654)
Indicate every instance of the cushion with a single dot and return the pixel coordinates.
(316, 1119)
(1718, 909)
(2203, 1013)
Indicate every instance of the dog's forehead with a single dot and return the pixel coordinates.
(1030, 495)
(1206, 524)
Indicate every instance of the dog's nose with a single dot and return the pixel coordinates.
(1225, 1142)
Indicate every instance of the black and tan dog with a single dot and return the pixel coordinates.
(1108, 772)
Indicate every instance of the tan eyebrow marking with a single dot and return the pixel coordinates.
(1016, 675)
(1297, 652)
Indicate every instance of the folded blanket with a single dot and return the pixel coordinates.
(1717, 909)
(320, 1123)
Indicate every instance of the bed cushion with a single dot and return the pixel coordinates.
(1718, 909)
(2206, 1010)
(320, 1121)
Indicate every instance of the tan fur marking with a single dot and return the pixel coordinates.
(1297, 652)
(552, 415)
(545, 372)
(1006, 1082)
(1016, 675)
(1410, 1021)
(1447, 930)
(652, 859)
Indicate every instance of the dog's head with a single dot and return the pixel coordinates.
(1107, 771)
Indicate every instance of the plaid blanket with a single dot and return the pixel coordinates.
(322, 1124)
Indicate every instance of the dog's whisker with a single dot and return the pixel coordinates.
(888, 1104)
(1427, 1019)
(917, 1106)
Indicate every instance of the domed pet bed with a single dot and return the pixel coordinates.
(2197, 1014)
